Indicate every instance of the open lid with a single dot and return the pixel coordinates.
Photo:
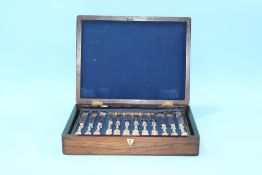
(132, 60)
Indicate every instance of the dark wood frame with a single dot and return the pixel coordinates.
(142, 145)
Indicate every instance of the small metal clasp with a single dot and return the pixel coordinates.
(130, 19)
(97, 102)
(167, 104)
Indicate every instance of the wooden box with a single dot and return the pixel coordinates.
(132, 88)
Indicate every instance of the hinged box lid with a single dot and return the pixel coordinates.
(133, 61)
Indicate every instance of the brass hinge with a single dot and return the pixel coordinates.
(168, 104)
(97, 102)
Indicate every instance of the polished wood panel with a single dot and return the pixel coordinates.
(141, 145)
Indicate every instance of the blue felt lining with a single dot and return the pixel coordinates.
(85, 124)
(177, 126)
(168, 128)
(131, 124)
(140, 127)
(122, 125)
(105, 124)
(133, 60)
(113, 124)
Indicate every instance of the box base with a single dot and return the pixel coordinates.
(130, 145)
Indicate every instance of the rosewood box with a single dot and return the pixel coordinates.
(132, 88)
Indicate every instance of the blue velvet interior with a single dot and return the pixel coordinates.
(133, 60)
